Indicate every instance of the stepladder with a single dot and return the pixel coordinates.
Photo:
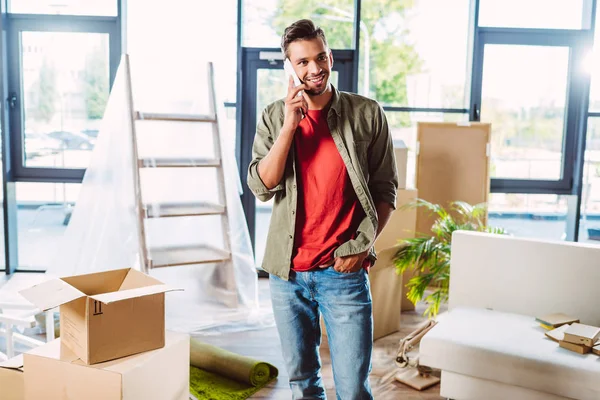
(180, 187)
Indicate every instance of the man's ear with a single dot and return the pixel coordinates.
(330, 58)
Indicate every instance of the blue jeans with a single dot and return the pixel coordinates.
(344, 299)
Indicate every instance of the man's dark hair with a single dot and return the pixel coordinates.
(303, 29)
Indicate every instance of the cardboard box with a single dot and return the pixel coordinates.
(582, 334)
(557, 334)
(453, 163)
(556, 320)
(55, 372)
(106, 315)
(387, 294)
(401, 155)
(577, 348)
(12, 380)
(401, 225)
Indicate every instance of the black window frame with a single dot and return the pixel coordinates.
(18, 23)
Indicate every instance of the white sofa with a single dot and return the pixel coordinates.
(488, 345)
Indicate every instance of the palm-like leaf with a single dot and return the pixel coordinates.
(429, 255)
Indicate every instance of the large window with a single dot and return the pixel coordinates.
(168, 60)
(65, 88)
(265, 20)
(59, 74)
(593, 67)
(60, 61)
(524, 96)
(590, 197)
(64, 7)
(415, 53)
(43, 213)
(549, 14)
(529, 215)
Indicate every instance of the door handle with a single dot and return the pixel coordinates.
(476, 112)
(12, 100)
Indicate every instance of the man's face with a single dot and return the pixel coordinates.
(312, 62)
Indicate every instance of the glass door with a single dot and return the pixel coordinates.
(263, 82)
(526, 87)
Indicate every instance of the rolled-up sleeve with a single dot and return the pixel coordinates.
(383, 182)
(263, 141)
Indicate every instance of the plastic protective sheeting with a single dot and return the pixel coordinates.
(105, 231)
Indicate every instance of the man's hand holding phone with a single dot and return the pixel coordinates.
(295, 105)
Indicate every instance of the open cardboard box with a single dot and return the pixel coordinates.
(54, 372)
(106, 315)
(12, 383)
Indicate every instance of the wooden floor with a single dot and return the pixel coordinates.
(264, 345)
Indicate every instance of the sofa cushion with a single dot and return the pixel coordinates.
(511, 349)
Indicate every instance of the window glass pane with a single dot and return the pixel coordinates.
(65, 88)
(593, 65)
(403, 127)
(540, 216)
(265, 20)
(2, 260)
(64, 7)
(170, 63)
(404, 63)
(589, 227)
(549, 14)
(524, 94)
(43, 213)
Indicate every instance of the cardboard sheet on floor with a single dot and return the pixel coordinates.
(12, 383)
(106, 315)
(54, 372)
(453, 163)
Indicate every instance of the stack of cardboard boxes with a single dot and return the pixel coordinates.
(113, 343)
(388, 289)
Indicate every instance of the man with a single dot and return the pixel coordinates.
(327, 158)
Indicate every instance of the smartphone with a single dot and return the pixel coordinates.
(287, 66)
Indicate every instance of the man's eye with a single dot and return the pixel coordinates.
(322, 58)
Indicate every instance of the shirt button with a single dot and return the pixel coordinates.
(293, 212)
(290, 236)
(294, 186)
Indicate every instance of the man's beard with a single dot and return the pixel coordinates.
(314, 93)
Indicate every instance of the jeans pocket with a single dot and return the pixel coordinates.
(346, 273)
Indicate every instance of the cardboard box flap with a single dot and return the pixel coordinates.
(112, 297)
(50, 294)
(15, 363)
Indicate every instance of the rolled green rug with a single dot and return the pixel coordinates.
(218, 374)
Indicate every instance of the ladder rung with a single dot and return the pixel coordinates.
(183, 209)
(187, 255)
(172, 162)
(175, 117)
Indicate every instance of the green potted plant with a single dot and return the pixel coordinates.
(429, 254)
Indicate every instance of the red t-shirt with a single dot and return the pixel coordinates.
(328, 212)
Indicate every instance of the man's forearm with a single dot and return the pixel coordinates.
(272, 167)
(384, 212)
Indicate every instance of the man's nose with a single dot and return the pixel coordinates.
(313, 68)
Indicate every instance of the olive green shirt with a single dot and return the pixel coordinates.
(360, 132)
